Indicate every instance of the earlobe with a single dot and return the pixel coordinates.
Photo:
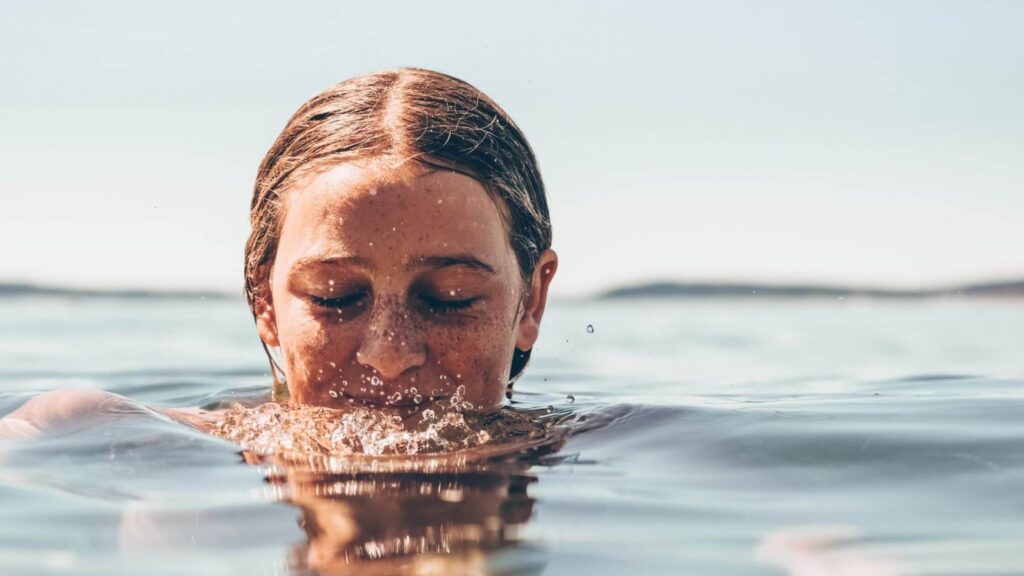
(536, 300)
(266, 324)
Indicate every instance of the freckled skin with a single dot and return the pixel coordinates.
(359, 313)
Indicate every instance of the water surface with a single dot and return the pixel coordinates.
(705, 437)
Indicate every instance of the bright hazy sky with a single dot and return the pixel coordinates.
(866, 142)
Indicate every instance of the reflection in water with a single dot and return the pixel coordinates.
(408, 522)
(445, 512)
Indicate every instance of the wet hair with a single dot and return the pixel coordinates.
(410, 113)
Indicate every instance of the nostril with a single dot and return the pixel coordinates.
(390, 359)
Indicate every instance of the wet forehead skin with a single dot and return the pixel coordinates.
(404, 237)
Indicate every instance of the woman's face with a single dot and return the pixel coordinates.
(396, 285)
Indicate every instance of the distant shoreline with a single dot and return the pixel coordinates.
(1010, 289)
(20, 290)
(648, 290)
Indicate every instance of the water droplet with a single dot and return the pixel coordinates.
(451, 292)
(417, 398)
(374, 381)
(397, 396)
(467, 405)
(333, 393)
(330, 282)
(413, 390)
(590, 328)
(570, 398)
(461, 390)
(372, 191)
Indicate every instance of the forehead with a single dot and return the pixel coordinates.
(386, 214)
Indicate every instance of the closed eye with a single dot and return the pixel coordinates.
(445, 306)
(341, 302)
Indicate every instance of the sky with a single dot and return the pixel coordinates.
(862, 142)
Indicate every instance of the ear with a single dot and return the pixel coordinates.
(533, 306)
(266, 319)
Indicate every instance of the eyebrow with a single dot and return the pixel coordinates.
(416, 262)
(310, 261)
(447, 261)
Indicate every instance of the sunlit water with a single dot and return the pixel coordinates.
(699, 437)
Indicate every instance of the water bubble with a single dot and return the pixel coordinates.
(394, 398)
(417, 398)
(590, 328)
(467, 405)
(428, 414)
(375, 381)
(461, 390)
(333, 393)
(413, 390)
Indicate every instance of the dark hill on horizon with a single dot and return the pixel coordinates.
(1014, 289)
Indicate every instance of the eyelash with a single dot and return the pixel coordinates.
(440, 306)
(340, 302)
(435, 305)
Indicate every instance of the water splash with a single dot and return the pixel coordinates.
(297, 429)
(299, 432)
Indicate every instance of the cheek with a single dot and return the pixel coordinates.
(477, 356)
(316, 352)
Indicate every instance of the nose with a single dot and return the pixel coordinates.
(391, 345)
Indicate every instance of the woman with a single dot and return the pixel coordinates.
(400, 253)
